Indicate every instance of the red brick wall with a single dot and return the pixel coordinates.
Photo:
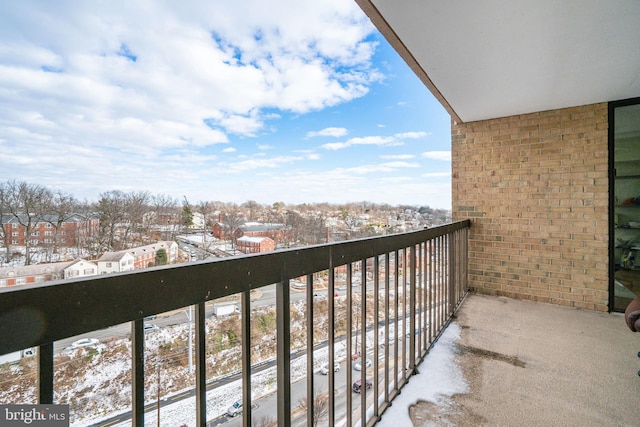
(536, 189)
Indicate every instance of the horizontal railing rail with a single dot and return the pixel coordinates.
(420, 297)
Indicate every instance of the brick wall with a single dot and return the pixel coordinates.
(536, 189)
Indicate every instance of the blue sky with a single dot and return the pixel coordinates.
(288, 101)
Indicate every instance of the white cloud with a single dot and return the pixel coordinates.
(398, 156)
(381, 167)
(257, 164)
(389, 141)
(334, 132)
(367, 140)
(411, 135)
(144, 95)
(182, 63)
(437, 155)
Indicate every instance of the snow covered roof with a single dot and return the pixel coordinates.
(252, 239)
(34, 270)
(256, 226)
(114, 256)
(150, 248)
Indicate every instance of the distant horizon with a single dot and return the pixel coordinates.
(296, 102)
(180, 201)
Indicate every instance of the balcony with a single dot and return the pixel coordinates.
(388, 298)
(528, 364)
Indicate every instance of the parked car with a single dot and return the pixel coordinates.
(357, 386)
(319, 296)
(236, 408)
(85, 342)
(148, 327)
(358, 365)
(324, 370)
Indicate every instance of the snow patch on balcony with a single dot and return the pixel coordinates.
(439, 378)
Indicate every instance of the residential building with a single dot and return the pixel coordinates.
(279, 233)
(221, 231)
(36, 273)
(80, 268)
(252, 245)
(145, 256)
(76, 230)
(116, 262)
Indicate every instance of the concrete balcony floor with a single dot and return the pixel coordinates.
(535, 364)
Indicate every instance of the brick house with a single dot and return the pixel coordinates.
(252, 245)
(279, 233)
(74, 231)
(221, 231)
(144, 256)
(543, 110)
(29, 274)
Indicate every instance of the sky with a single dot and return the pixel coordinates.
(293, 101)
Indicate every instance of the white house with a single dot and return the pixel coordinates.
(80, 268)
(115, 262)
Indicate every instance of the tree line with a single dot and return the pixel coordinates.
(135, 218)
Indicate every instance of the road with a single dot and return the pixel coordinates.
(177, 317)
(266, 404)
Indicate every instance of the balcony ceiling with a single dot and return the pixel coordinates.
(497, 58)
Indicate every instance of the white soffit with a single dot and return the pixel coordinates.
(499, 58)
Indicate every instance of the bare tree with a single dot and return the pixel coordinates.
(233, 218)
(253, 210)
(136, 205)
(264, 421)
(320, 407)
(5, 230)
(63, 207)
(111, 208)
(166, 215)
(28, 204)
(209, 212)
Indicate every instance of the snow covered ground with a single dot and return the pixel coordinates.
(439, 378)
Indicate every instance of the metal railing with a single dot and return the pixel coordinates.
(400, 291)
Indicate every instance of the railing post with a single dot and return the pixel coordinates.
(310, 348)
(201, 367)
(396, 319)
(412, 310)
(331, 312)
(349, 343)
(284, 352)
(363, 342)
(245, 322)
(376, 327)
(453, 283)
(45, 374)
(137, 373)
(387, 319)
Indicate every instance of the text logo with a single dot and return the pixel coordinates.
(34, 415)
